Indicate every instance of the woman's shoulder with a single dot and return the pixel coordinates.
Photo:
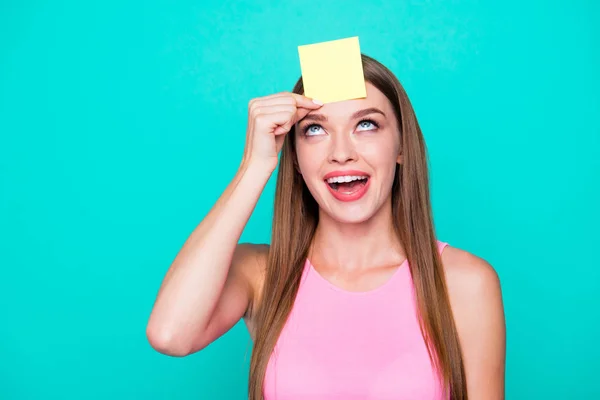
(476, 300)
(477, 307)
(466, 268)
(466, 272)
(473, 288)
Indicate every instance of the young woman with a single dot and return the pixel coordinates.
(355, 298)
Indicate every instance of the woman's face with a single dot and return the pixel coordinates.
(347, 154)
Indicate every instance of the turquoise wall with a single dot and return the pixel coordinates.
(121, 123)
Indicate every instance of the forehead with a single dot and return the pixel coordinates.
(375, 98)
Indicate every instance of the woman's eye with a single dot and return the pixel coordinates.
(312, 130)
(367, 125)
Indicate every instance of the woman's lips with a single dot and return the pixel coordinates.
(353, 196)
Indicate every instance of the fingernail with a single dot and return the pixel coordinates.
(317, 102)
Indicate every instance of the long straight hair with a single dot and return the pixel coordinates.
(296, 215)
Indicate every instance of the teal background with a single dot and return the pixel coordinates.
(122, 122)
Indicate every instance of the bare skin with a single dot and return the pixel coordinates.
(210, 285)
(215, 282)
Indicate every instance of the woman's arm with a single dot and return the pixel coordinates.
(476, 301)
(212, 282)
(207, 289)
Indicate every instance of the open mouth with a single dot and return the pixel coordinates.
(347, 184)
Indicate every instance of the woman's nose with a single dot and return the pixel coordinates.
(342, 149)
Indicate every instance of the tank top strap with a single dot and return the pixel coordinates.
(441, 245)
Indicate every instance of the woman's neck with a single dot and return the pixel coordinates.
(357, 246)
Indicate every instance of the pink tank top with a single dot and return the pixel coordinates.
(338, 344)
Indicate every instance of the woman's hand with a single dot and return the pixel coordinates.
(270, 118)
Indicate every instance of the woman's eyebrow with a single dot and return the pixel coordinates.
(314, 117)
(367, 111)
(357, 114)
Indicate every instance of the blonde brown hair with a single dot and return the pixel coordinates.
(295, 220)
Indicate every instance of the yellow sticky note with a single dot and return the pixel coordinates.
(332, 71)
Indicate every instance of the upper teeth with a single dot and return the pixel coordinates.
(345, 178)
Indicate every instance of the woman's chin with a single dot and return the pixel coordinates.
(350, 215)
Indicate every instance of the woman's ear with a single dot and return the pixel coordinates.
(400, 159)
